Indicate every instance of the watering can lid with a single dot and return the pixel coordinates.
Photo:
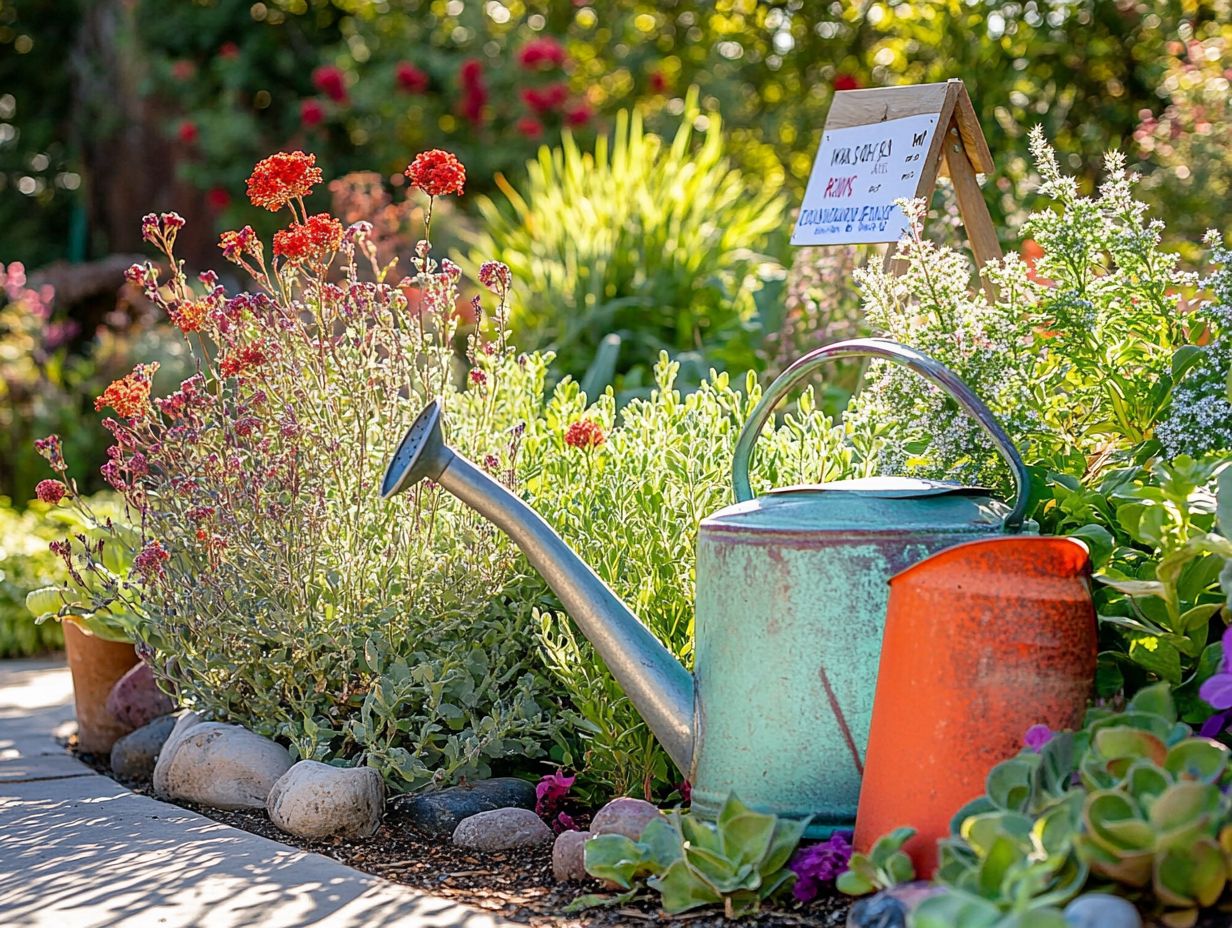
(869, 504)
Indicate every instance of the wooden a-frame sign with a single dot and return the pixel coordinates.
(887, 142)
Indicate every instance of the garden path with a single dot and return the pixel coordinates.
(77, 850)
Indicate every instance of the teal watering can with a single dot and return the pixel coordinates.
(791, 601)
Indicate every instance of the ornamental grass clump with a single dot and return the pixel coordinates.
(274, 587)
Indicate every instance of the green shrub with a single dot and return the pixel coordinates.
(25, 565)
(649, 240)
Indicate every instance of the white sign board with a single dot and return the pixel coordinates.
(858, 174)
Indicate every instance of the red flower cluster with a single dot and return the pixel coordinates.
(187, 132)
(313, 240)
(578, 115)
(846, 82)
(130, 395)
(282, 177)
(585, 433)
(541, 54)
(410, 78)
(474, 93)
(149, 561)
(247, 358)
(49, 449)
(545, 99)
(495, 276)
(437, 173)
(189, 315)
(50, 491)
(330, 81)
(658, 81)
(235, 245)
(530, 127)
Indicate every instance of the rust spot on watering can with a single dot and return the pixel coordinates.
(982, 641)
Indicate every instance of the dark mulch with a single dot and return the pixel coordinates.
(517, 885)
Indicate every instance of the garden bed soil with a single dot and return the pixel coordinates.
(518, 885)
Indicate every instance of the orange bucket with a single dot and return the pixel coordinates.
(982, 641)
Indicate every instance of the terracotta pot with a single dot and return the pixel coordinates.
(96, 665)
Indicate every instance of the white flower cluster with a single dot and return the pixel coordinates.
(1199, 420)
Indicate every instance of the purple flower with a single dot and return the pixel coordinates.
(1036, 737)
(549, 792)
(1217, 689)
(819, 863)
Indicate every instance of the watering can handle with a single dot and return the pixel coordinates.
(926, 367)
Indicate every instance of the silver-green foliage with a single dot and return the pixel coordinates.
(643, 237)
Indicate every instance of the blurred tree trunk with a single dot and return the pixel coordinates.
(128, 158)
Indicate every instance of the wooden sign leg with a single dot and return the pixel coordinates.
(971, 206)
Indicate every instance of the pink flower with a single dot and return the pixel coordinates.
(541, 54)
(49, 449)
(1036, 737)
(550, 791)
(495, 276)
(530, 127)
(331, 82)
(149, 561)
(478, 377)
(410, 78)
(311, 113)
(578, 115)
(187, 132)
(50, 491)
(585, 434)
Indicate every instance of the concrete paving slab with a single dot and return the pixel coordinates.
(81, 851)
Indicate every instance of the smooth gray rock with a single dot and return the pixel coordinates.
(569, 856)
(133, 756)
(184, 722)
(315, 800)
(502, 829)
(224, 767)
(624, 816)
(136, 699)
(439, 814)
(1102, 910)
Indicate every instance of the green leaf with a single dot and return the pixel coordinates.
(1099, 542)
(954, 909)
(852, 883)
(614, 858)
(1156, 700)
(681, 891)
(1156, 655)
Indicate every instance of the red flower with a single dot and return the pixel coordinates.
(843, 81)
(410, 78)
(217, 199)
(437, 173)
(228, 50)
(236, 244)
(470, 73)
(183, 70)
(330, 81)
(243, 360)
(188, 316)
(187, 132)
(541, 100)
(578, 115)
(50, 491)
(658, 81)
(585, 433)
(149, 561)
(312, 240)
(130, 395)
(541, 54)
(530, 127)
(311, 113)
(281, 178)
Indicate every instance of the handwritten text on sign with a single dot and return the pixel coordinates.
(858, 174)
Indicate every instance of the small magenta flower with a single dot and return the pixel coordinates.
(495, 276)
(1036, 737)
(550, 791)
(820, 863)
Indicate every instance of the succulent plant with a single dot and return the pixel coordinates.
(738, 860)
(886, 864)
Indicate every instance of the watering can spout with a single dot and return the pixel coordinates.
(660, 688)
